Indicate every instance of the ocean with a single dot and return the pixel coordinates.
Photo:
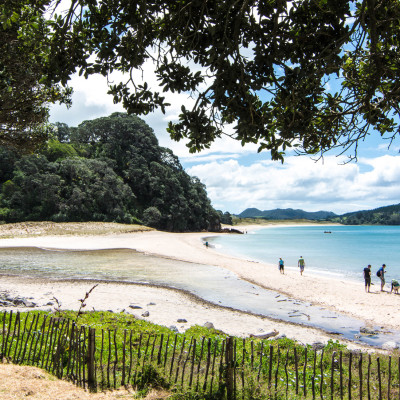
(342, 253)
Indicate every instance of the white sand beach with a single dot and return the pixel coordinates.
(375, 308)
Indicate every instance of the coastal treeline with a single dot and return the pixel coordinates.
(389, 215)
(109, 169)
(287, 213)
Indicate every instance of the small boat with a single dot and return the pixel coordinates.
(327, 232)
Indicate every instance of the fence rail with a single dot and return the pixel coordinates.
(219, 368)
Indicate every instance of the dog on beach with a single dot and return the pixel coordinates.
(395, 286)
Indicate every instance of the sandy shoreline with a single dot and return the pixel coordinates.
(375, 308)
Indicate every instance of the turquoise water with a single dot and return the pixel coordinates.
(342, 253)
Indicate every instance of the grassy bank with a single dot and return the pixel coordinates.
(193, 365)
(47, 228)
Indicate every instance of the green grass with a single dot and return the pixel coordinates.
(192, 365)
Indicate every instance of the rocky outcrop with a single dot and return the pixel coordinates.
(6, 300)
(231, 230)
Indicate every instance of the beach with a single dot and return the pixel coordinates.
(165, 306)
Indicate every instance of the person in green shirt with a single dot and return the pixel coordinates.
(301, 263)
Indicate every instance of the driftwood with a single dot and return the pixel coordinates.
(265, 335)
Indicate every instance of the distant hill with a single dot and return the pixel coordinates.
(388, 215)
(287, 213)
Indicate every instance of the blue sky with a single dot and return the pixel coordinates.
(238, 177)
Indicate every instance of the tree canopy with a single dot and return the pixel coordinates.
(25, 91)
(109, 169)
(314, 74)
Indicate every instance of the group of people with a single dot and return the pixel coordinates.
(381, 275)
(395, 285)
(301, 264)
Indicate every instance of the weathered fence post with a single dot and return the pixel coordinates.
(350, 362)
(296, 370)
(360, 376)
(91, 359)
(379, 378)
(390, 377)
(229, 368)
(305, 373)
(332, 373)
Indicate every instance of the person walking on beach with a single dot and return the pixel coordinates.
(281, 266)
(367, 277)
(381, 275)
(301, 263)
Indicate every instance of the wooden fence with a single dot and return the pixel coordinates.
(215, 368)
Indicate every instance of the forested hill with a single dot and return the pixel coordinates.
(107, 169)
(389, 215)
(287, 213)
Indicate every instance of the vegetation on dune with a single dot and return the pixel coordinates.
(192, 365)
(110, 169)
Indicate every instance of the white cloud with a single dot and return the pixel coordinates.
(301, 183)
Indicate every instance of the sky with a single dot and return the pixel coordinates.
(238, 177)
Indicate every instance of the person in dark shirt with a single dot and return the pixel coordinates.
(367, 278)
(381, 275)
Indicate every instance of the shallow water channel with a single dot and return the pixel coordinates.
(213, 284)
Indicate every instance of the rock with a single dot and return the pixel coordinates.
(209, 325)
(151, 304)
(50, 303)
(4, 303)
(318, 346)
(231, 230)
(368, 332)
(135, 307)
(29, 304)
(266, 335)
(391, 345)
(174, 328)
(181, 320)
(145, 314)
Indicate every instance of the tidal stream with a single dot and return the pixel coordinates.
(213, 284)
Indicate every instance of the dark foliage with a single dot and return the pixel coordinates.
(108, 169)
(287, 213)
(308, 74)
(226, 217)
(389, 215)
(24, 91)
